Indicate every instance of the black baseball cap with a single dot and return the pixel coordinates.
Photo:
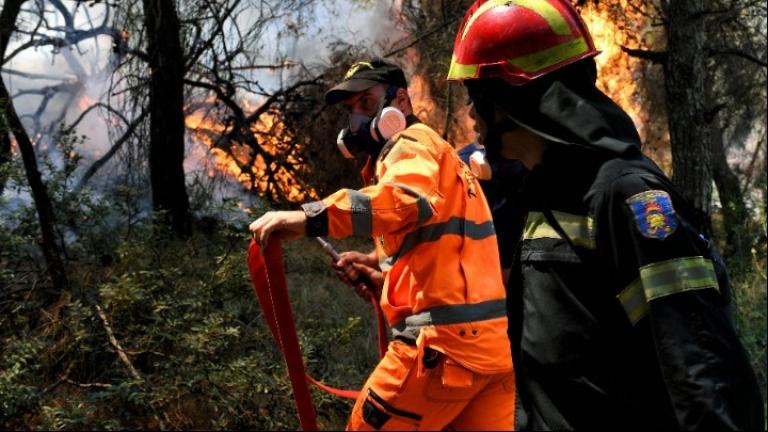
(364, 75)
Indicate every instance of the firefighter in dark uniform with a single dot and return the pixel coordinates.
(620, 311)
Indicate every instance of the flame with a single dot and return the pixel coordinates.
(423, 105)
(235, 161)
(461, 126)
(619, 74)
(614, 67)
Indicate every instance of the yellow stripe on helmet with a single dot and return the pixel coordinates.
(543, 59)
(459, 71)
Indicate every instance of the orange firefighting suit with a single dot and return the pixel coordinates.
(450, 364)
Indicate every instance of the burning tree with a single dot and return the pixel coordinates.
(251, 131)
(41, 34)
(714, 72)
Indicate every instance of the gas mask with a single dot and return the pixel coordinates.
(369, 134)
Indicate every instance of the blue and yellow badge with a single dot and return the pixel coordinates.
(654, 214)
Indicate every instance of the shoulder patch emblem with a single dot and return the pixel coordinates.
(654, 216)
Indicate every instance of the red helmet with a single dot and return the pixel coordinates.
(518, 40)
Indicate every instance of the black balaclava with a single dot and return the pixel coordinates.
(563, 107)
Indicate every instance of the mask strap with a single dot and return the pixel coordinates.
(389, 96)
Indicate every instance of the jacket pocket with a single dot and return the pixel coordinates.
(560, 299)
(452, 382)
(379, 413)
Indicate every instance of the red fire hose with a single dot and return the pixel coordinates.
(268, 277)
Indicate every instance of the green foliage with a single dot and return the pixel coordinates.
(184, 314)
(750, 293)
(17, 368)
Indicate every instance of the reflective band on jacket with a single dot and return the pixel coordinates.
(425, 210)
(411, 326)
(580, 229)
(433, 232)
(666, 278)
(543, 59)
(633, 301)
(362, 215)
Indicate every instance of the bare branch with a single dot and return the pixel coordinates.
(87, 385)
(91, 108)
(656, 57)
(91, 171)
(38, 76)
(123, 357)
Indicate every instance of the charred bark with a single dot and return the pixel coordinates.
(166, 110)
(12, 123)
(685, 70)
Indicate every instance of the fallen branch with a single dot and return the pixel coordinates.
(116, 345)
(87, 385)
(123, 357)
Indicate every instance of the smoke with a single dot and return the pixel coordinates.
(53, 87)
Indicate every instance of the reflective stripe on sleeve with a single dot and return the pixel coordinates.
(665, 278)
(677, 275)
(632, 298)
(362, 217)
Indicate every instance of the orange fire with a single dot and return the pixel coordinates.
(623, 78)
(236, 161)
(460, 125)
(619, 75)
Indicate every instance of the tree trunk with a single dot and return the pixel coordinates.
(5, 154)
(7, 25)
(735, 214)
(166, 108)
(11, 120)
(685, 75)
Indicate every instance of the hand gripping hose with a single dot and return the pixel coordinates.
(268, 277)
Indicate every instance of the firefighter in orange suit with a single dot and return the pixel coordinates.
(442, 291)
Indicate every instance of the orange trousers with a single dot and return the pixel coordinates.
(402, 394)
